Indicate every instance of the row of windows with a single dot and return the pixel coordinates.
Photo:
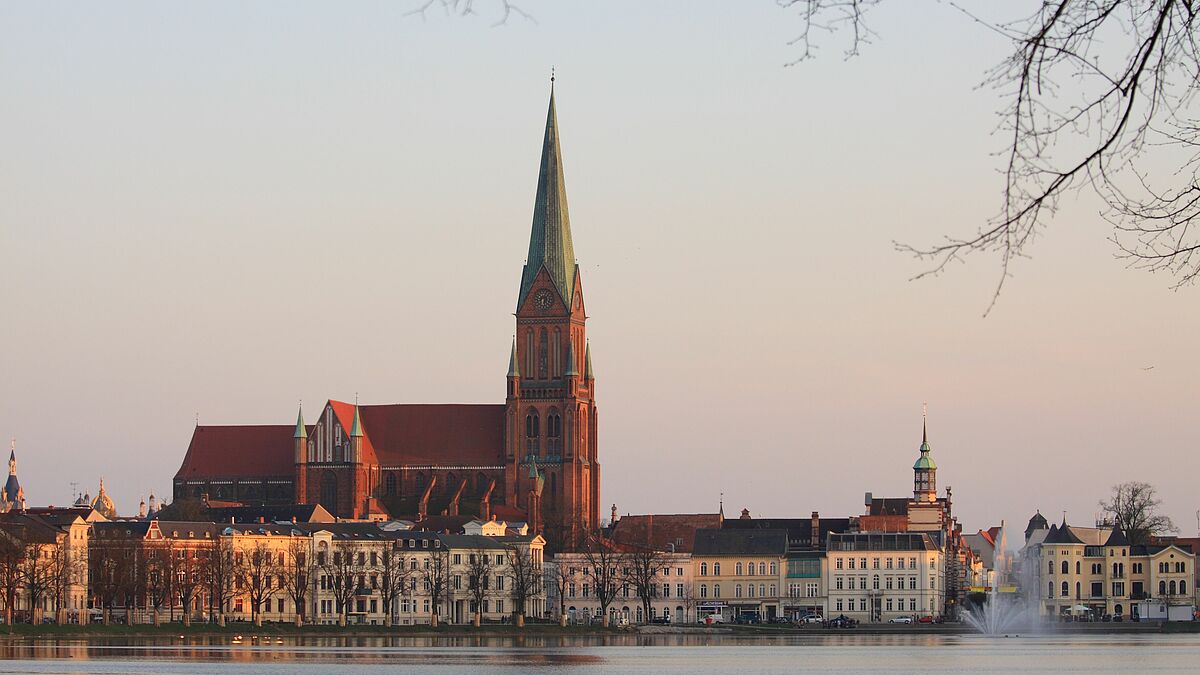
(763, 590)
(1118, 568)
(890, 583)
(748, 570)
(887, 563)
(889, 604)
(1165, 588)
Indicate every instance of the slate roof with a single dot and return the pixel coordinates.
(799, 530)
(1117, 538)
(881, 541)
(1061, 535)
(889, 506)
(302, 513)
(740, 542)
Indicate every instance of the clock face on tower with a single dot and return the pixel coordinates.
(543, 299)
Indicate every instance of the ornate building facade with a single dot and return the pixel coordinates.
(533, 457)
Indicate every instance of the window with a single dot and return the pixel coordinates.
(737, 591)
(389, 484)
(774, 568)
(1050, 567)
(679, 590)
(1118, 588)
(888, 583)
(703, 569)
(1182, 587)
(875, 582)
(888, 563)
(838, 563)
(738, 569)
(532, 432)
(1077, 567)
(1171, 588)
(750, 590)
(839, 604)
(838, 583)
(852, 563)
(1097, 589)
(1066, 589)
(704, 590)
(874, 563)
(762, 569)
(717, 569)
(1066, 567)
(716, 590)
(912, 583)
(811, 590)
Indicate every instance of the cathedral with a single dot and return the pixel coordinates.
(532, 458)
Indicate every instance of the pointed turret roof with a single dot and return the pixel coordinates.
(512, 361)
(1117, 538)
(301, 430)
(587, 363)
(550, 240)
(925, 461)
(571, 370)
(356, 427)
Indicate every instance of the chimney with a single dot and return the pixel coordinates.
(867, 502)
(816, 530)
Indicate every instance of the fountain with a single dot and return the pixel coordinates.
(1003, 614)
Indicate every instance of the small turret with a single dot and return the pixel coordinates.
(514, 373)
(572, 373)
(356, 435)
(587, 364)
(925, 469)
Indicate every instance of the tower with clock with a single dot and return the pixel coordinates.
(551, 405)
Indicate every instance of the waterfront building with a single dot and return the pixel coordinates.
(52, 579)
(380, 462)
(737, 572)
(1090, 572)
(672, 594)
(877, 576)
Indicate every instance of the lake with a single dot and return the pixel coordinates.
(845, 653)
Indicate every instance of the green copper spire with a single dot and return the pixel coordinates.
(512, 361)
(571, 370)
(550, 241)
(587, 363)
(301, 430)
(356, 429)
(926, 460)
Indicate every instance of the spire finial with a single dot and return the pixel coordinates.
(924, 422)
(551, 78)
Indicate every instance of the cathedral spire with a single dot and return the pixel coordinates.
(356, 427)
(550, 240)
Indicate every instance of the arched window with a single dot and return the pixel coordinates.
(774, 569)
(554, 432)
(750, 590)
(532, 431)
(762, 569)
(1078, 590)
(543, 351)
(329, 492)
(1077, 567)
(716, 590)
(1050, 588)
(772, 590)
(704, 590)
(1182, 587)
(703, 569)
(1050, 567)
(1171, 588)
(738, 571)
(716, 569)
(750, 568)
(737, 591)
(1162, 588)
(389, 484)
(1066, 590)
(1066, 568)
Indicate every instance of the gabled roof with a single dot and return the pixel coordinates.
(740, 542)
(889, 506)
(550, 240)
(251, 451)
(433, 434)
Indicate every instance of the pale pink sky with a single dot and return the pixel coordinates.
(224, 208)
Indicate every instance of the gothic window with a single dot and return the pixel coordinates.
(558, 355)
(543, 350)
(1172, 588)
(1077, 567)
(1162, 588)
(1066, 567)
(329, 492)
(1066, 589)
(554, 433)
(389, 484)
(529, 353)
(532, 432)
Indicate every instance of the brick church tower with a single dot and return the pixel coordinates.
(551, 404)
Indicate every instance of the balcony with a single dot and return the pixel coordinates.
(363, 591)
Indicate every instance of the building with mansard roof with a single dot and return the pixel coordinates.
(532, 457)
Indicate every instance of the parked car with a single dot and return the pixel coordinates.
(841, 621)
(900, 619)
(925, 619)
(779, 619)
(811, 618)
(712, 618)
(748, 618)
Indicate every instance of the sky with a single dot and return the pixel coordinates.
(220, 209)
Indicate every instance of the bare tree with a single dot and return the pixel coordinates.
(191, 572)
(258, 573)
(603, 565)
(560, 579)
(222, 569)
(435, 577)
(66, 569)
(160, 577)
(525, 574)
(296, 574)
(37, 576)
(394, 577)
(479, 573)
(112, 567)
(341, 570)
(642, 564)
(12, 555)
(1097, 94)
(1133, 509)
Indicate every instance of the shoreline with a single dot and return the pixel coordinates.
(21, 631)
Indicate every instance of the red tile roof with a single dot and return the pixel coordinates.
(663, 530)
(239, 452)
(435, 434)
